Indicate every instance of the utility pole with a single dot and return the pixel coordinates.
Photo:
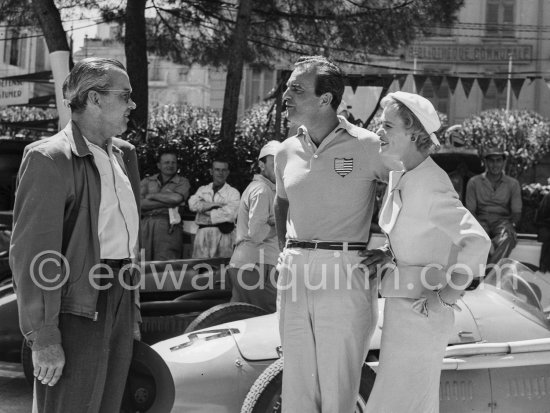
(508, 90)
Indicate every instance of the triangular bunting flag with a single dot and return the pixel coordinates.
(484, 83)
(500, 84)
(419, 81)
(354, 82)
(436, 82)
(401, 79)
(517, 84)
(452, 81)
(467, 83)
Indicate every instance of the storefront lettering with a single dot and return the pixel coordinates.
(464, 53)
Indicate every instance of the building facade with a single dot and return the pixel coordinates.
(21, 53)
(173, 83)
(488, 37)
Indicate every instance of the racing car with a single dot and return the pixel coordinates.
(498, 359)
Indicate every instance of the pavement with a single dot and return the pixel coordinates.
(15, 392)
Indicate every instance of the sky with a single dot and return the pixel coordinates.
(81, 28)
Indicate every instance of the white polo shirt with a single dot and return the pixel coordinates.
(330, 188)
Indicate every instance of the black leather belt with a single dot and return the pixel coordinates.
(325, 245)
(116, 263)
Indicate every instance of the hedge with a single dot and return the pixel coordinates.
(193, 133)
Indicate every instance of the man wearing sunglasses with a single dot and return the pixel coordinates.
(75, 236)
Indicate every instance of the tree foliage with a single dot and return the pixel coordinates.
(194, 134)
(200, 30)
(207, 31)
(525, 135)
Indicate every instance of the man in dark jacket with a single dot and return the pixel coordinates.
(75, 237)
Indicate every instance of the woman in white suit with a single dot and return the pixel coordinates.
(436, 246)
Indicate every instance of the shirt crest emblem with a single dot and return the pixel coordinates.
(343, 166)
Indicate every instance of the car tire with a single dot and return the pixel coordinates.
(265, 394)
(26, 361)
(224, 313)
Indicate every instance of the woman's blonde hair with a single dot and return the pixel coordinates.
(422, 138)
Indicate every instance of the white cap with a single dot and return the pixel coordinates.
(422, 109)
(270, 148)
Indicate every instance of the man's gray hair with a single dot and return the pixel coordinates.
(89, 74)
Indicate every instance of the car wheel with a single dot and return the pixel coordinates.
(149, 386)
(225, 313)
(26, 361)
(265, 394)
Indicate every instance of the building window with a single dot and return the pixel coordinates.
(500, 18)
(40, 64)
(154, 70)
(15, 49)
(439, 98)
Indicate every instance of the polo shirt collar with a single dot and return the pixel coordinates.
(484, 175)
(342, 124)
(174, 179)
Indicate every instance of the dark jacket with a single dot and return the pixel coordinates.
(55, 239)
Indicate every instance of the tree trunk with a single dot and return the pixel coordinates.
(52, 28)
(135, 44)
(235, 73)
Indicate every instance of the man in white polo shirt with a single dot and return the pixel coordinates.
(326, 183)
(252, 273)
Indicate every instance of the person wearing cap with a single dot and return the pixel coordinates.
(326, 184)
(495, 200)
(252, 273)
(434, 246)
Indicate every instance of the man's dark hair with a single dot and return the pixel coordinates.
(220, 159)
(329, 77)
(166, 152)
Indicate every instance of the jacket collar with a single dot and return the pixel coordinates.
(77, 142)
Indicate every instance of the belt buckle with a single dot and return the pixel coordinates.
(315, 244)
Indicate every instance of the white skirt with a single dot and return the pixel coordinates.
(411, 355)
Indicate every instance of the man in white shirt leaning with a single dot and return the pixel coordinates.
(216, 205)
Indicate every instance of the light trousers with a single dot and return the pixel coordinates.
(210, 242)
(411, 355)
(327, 314)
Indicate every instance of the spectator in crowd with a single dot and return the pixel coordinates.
(326, 182)
(495, 200)
(76, 230)
(543, 230)
(216, 205)
(161, 195)
(252, 275)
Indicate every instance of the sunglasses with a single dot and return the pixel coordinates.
(125, 95)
